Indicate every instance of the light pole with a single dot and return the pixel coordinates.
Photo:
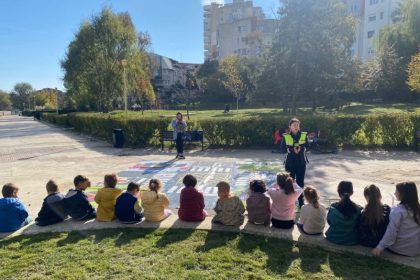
(124, 64)
(56, 101)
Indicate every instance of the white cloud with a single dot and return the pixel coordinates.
(208, 2)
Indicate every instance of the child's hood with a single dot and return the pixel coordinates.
(148, 196)
(8, 202)
(110, 191)
(72, 192)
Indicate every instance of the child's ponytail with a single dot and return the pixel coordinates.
(311, 195)
(155, 185)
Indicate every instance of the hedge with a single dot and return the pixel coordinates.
(368, 131)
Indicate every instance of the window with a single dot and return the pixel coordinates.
(373, 2)
(243, 28)
(372, 18)
(382, 15)
(242, 51)
(371, 33)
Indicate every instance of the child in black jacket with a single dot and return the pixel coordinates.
(76, 202)
(52, 210)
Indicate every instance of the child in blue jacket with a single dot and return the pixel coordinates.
(13, 214)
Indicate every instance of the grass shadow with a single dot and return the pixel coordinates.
(216, 239)
(312, 259)
(280, 253)
(173, 235)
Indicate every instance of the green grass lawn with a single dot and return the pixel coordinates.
(352, 109)
(180, 254)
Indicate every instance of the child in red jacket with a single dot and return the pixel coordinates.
(191, 201)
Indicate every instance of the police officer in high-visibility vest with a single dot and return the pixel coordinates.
(295, 143)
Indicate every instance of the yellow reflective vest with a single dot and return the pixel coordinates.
(288, 139)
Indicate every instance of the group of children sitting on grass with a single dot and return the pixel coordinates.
(377, 225)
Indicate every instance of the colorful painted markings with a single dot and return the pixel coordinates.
(208, 174)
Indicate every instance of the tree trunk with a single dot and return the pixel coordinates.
(237, 103)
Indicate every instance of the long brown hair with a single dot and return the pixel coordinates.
(374, 211)
(285, 183)
(155, 185)
(410, 198)
(311, 195)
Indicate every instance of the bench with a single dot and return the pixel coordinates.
(189, 136)
(320, 143)
(417, 140)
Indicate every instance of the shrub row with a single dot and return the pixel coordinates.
(368, 131)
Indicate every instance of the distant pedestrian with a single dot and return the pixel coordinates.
(179, 126)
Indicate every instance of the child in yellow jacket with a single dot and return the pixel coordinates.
(106, 199)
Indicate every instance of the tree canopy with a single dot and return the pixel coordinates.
(106, 52)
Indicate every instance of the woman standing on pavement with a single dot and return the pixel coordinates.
(179, 126)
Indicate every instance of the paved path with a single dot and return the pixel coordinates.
(32, 152)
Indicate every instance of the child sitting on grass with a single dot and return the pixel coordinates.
(284, 196)
(258, 203)
(312, 215)
(229, 208)
(127, 207)
(13, 214)
(107, 198)
(155, 203)
(52, 210)
(76, 202)
(191, 206)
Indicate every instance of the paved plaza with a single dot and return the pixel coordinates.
(32, 152)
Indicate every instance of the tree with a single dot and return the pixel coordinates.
(213, 89)
(5, 101)
(414, 73)
(311, 52)
(105, 54)
(46, 97)
(386, 74)
(21, 95)
(231, 77)
(403, 39)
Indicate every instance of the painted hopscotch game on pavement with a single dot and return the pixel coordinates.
(208, 174)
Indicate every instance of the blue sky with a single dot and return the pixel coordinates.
(34, 34)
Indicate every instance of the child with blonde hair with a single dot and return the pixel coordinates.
(313, 214)
(155, 202)
(229, 208)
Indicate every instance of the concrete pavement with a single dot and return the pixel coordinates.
(32, 152)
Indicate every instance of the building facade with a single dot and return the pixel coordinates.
(371, 16)
(234, 28)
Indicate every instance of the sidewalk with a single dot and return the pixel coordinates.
(172, 222)
(32, 152)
